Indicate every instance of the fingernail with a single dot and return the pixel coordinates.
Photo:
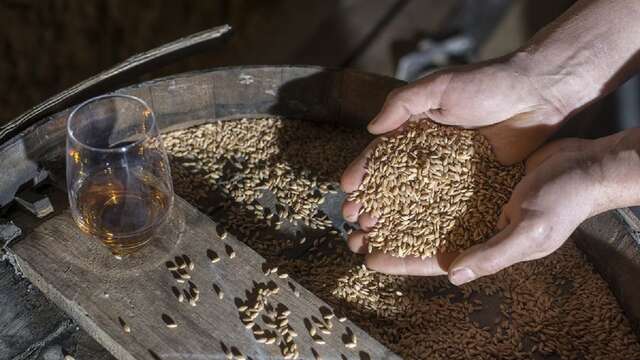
(461, 276)
(372, 122)
(351, 217)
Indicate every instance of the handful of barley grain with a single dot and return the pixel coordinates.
(434, 188)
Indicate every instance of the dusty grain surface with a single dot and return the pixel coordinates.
(554, 307)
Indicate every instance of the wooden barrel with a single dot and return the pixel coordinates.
(308, 93)
(301, 92)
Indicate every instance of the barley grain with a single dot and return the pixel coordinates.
(316, 354)
(183, 274)
(531, 299)
(213, 256)
(318, 340)
(188, 262)
(124, 325)
(433, 188)
(230, 252)
(179, 261)
(169, 322)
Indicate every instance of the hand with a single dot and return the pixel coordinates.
(567, 181)
(545, 207)
(496, 97)
(475, 96)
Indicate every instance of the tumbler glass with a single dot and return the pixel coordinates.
(118, 176)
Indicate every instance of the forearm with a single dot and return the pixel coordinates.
(584, 54)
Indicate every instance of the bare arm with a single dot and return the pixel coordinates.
(585, 53)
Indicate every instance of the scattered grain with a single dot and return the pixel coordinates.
(218, 291)
(125, 327)
(296, 162)
(179, 261)
(188, 262)
(213, 256)
(183, 274)
(169, 322)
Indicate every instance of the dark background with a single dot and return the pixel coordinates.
(47, 46)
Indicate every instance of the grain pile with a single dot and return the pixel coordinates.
(433, 188)
(236, 170)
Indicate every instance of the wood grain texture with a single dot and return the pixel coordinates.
(346, 97)
(608, 241)
(33, 328)
(27, 316)
(94, 288)
(311, 93)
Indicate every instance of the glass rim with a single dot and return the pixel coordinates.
(102, 97)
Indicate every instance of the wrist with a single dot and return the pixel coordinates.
(564, 87)
(614, 170)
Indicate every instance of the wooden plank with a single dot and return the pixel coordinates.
(34, 328)
(95, 289)
(630, 218)
(27, 317)
(611, 246)
(305, 92)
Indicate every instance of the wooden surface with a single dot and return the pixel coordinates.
(350, 98)
(344, 97)
(34, 318)
(38, 328)
(94, 288)
(610, 241)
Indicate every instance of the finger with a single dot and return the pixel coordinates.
(367, 221)
(354, 173)
(409, 265)
(563, 145)
(350, 210)
(510, 246)
(357, 242)
(503, 220)
(399, 106)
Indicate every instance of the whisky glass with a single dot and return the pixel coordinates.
(118, 175)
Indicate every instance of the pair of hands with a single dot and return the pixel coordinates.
(562, 186)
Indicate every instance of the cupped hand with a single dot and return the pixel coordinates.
(508, 108)
(558, 192)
